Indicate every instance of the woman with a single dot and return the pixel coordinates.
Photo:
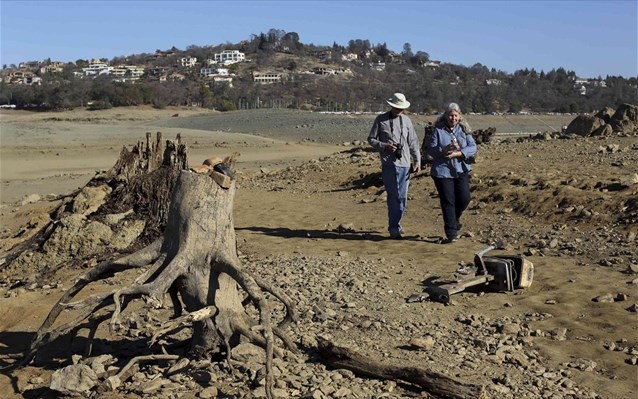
(449, 146)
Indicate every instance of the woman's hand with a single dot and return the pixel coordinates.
(452, 151)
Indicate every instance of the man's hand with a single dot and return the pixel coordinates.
(416, 168)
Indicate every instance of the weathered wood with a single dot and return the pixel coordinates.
(221, 179)
(433, 382)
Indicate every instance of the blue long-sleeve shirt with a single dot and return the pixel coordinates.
(441, 138)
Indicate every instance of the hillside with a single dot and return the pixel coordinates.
(279, 71)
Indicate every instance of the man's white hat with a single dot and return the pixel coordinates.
(398, 101)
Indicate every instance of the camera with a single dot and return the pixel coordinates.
(398, 150)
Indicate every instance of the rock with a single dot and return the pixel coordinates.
(178, 367)
(112, 383)
(583, 364)
(559, 334)
(89, 199)
(584, 125)
(30, 199)
(510, 328)
(625, 119)
(76, 379)
(606, 298)
(207, 393)
(246, 352)
(100, 363)
(425, 343)
(203, 377)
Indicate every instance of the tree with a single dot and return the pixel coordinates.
(420, 58)
(80, 63)
(205, 97)
(406, 55)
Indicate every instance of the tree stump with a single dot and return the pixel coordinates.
(141, 180)
(195, 260)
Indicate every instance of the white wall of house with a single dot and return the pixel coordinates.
(229, 57)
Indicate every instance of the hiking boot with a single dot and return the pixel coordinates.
(396, 236)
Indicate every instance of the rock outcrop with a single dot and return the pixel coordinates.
(606, 122)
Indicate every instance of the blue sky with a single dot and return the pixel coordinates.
(593, 38)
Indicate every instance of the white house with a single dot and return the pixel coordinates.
(214, 72)
(266, 77)
(188, 62)
(229, 57)
(131, 71)
(98, 68)
(349, 57)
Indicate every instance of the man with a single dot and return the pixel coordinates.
(393, 135)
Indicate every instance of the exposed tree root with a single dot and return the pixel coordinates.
(197, 259)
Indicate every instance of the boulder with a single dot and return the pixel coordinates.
(625, 119)
(74, 380)
(605, 130)
(584, 125)
(605, 114)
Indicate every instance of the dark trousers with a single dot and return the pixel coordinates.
(454, 195)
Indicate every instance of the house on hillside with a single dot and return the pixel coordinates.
(22, 77)
(206, 72)
(228, 57)
(175, 77)
(266, 77)
(162, 54)
(97, 68)
(187, 62)
(323, 55)
(52, 67)
(158, 71)
(31, 65)
(378, 66)
(127, 73)
(321, 70)
(349, 57)
(218, 80)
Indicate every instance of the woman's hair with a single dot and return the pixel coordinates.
(452, 107)
(449, 108)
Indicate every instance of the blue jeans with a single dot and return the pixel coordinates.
(396, 182)
(454, 196)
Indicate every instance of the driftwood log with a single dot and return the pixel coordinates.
(437, 384)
